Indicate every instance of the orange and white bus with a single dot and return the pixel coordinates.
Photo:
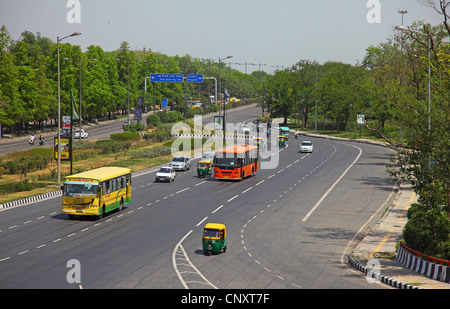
(236, 162)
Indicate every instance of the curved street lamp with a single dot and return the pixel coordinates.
(59, 106)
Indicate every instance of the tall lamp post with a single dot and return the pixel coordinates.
(220, 99)
(59, 106)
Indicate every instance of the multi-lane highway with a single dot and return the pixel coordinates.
(289, 227)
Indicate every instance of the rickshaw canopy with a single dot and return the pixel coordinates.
(216, 226)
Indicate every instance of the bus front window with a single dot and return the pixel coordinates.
(227, 162)
(71, 190)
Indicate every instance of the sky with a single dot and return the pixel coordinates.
(266, 34)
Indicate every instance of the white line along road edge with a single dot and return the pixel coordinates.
(186, 258)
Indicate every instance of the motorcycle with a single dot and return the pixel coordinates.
(41, 142)
(31, 141)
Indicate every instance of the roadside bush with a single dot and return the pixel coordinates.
(83, 154)
(168, 117)
(153, 120)
(26, 164)
(110, 146)
(134, 127)
(151, 152)
(19, 186)
(427, 230)
(173, 117)
(158, 136)
(126, 136)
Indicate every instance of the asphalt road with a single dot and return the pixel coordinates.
(288, 227)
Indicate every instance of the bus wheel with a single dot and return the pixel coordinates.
(121, 205)
(101, 214)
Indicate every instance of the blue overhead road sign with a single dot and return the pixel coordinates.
(166, 78)
(195, 78)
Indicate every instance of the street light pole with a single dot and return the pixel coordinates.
(59, 106)
(220, 99)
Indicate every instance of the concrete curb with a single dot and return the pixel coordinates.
(379, 277)
(30, 199)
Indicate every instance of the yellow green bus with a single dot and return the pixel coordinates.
(96, 192)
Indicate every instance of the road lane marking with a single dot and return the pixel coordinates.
(247, 190)
(232, 198)
(182, 190)
(202, 221)
(217, 208)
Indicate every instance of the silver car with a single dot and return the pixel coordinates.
(180, 163)
(306, 146)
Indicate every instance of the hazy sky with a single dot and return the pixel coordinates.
(270, 32)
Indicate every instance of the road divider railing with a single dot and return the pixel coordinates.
(30, 199)
(428, 266)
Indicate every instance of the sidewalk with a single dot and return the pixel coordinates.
(381, 240)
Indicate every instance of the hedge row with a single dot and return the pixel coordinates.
(26, 164)
(19, 186)
(152, 152)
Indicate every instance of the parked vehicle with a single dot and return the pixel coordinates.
(165, 173)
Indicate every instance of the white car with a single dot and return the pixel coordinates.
(165, 173)
(180, 163)
(246, 129)
(83, 134)
(306, 146)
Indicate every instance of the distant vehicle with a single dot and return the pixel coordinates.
(126, 124)
(180, 163)
(284, 131)
(165, 173)
(306, 146)
(81, 134)
(245, 129)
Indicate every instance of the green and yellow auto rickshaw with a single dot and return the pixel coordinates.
(214, 238)
(281, 141)
(204, 168)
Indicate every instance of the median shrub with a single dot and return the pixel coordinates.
(151, 152)
(126, 136)
(24, 165)
(111, 146)
(19, 186)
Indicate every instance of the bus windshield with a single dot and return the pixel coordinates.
(227, 162)
(80, 189)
